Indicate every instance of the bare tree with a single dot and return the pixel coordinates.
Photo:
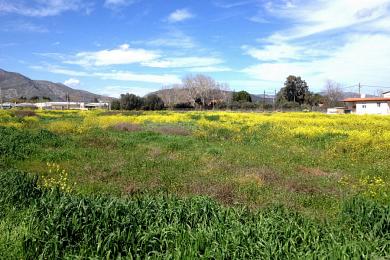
(333, 92)
(199, 88)
(379, 92)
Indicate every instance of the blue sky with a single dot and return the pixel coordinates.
(117, 46)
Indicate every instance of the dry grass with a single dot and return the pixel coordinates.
(172, 130)
(317, 172)
(223, 192)
(127, 127)
(24, 113)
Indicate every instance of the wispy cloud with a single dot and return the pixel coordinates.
(38, 8)
(350, 47)
(139, 77)
(124, 55)
(60, 70)
(116, 90)
(180, 15)
(173, 39)
(228, 5)
(313, 17)
(115, 4)
(122, 75)
(121, 55)
(207, 69)
(22, 26)
(183, 62)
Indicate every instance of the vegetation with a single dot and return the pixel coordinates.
(295, 90)
(242, 96)
(132, 102)
(197, 184)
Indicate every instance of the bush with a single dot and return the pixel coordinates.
(153, 102)
(184, 106)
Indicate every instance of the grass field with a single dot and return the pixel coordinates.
(195, 184)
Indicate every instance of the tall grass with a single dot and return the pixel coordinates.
(65, 225)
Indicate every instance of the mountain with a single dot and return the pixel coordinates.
(14, 85)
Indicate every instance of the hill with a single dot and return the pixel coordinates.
(14, 85)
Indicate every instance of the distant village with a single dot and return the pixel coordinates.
(57, 105)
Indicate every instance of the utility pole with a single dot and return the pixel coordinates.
(67, 100)
(274, 101)
(360, 89)
(264, 102)
(1, 99)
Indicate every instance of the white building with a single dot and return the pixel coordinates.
(72, 105)
(370, 106)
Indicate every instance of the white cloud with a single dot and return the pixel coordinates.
(114, 4)
(362, 58)
(130, 76)
(60, 70)
(72, 82)
(344, 40)
(226, 5)
(274, 52)
(174, 39)
(39, 8)
(121, 55)
(113, 75)
(313, 17)
(116, 91)
(183, 62)
(209, 69)
(180, 15)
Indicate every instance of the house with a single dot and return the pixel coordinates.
(7, 105)
(100, 105)
(371, 105)
(26, 105)
(60, 105)
(338, 110)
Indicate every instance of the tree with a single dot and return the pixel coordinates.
(130, 102)
(242, 96)
(153, 102)
(295, 90)
(314, 99)
(200, 89)
(115, 104)
(333, 93)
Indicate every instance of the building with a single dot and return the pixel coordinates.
(7, 105)
(338, 110)
(72, 105)
(58, 105)
(369, 106)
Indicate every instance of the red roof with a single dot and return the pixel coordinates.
(375, 99)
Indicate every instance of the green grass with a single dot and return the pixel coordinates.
(49, 224)
(161, 191)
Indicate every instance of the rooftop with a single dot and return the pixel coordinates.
(374, 99)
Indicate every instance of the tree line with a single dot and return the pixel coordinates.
(203, 92)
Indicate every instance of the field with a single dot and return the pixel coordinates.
(178, 185)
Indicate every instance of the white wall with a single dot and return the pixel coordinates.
(373, 108)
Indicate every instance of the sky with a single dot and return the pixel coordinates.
(117, 46)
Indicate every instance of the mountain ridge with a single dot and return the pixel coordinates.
(14, 85)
